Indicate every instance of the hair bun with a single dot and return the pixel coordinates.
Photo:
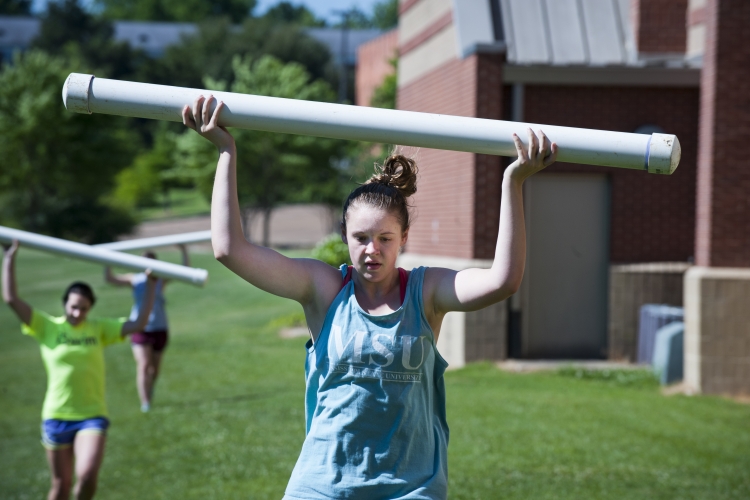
(398, 171)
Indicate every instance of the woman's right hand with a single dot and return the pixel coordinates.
(200, 119)
(10, 250)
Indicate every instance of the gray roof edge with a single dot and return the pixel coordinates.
(615, 75)
(484, 48)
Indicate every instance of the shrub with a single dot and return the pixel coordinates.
(332, 251)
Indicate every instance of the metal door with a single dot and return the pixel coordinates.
(564, 292)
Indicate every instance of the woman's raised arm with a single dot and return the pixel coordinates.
(263, 267)
(472, 289)
(10, 296)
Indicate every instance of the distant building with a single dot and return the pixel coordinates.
(601, 241)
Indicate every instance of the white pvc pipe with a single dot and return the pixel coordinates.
(158, 241)
(103, 256)
(656, 153)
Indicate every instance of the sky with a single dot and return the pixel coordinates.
(322, 8)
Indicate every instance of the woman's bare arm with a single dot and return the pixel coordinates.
(473, 289)
(145, 311)
(117, 279)
(185, 255)
(10, 295)
(296, 279)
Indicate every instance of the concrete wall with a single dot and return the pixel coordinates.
(630, 287)
(717, 330)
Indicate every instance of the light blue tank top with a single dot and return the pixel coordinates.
(157, 320)
(375, 405)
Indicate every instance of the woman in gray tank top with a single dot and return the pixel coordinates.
(375, 397)
(148, 345)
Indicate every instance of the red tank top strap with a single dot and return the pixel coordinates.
(348, 277)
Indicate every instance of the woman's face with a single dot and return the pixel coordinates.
(374, 238)
(77, 307)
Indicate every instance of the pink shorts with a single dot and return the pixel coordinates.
(157, 340)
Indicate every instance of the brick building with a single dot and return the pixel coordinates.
(601, 241)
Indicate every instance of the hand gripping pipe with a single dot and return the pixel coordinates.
(159, 241)
(160, 268)
(655, 153)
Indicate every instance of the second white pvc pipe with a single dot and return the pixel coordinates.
(103, 256)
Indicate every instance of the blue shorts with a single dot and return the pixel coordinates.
(57, 434)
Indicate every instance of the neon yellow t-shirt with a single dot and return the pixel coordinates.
(74, 359)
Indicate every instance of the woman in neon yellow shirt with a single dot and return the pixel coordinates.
(74, 416)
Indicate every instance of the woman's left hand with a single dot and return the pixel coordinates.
(539, 155)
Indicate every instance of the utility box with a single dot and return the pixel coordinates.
(668, 353)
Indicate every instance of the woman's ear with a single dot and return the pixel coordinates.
(343, 235)
(404, 237)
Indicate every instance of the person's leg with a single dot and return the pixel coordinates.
(157, 357)
(61, 471)
(144, 354)
(160, 344)
(89, 454)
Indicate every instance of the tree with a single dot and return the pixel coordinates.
(139, 184)
(271, 168)
(15, 7)
(176, 10)
(355, 19)
(385, 14)
(286, 13)
(209, 53)
(68, 29)
(58, 166)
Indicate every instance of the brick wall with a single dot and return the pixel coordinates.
(723, 225)
(652, 216)
(659, 26)
(445, 198)
(488, 173)
(373, 65)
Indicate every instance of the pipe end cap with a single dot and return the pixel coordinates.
(664, 154)
(75, 93)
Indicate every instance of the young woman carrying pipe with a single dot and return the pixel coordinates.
(148, 345)
(74, 415)
(375, 397)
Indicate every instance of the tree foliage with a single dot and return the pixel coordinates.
(272, 168)
(58, 166)
(176, 10)
(210, 52)
(287, 13)
(385, 14)
(68, 29)
(15, 7)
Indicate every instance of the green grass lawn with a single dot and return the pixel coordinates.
(228, 415)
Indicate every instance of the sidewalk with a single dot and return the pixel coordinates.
(292, 226)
